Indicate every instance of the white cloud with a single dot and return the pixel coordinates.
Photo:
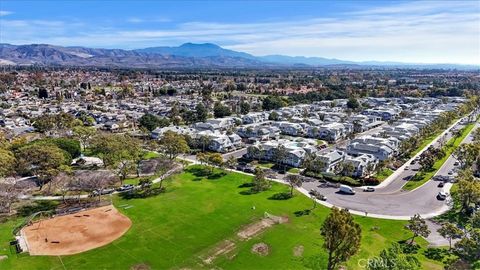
(430, 32)
(5, 13)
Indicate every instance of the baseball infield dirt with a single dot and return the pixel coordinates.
(76, 233)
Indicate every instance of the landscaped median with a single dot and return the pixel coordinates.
(422, 177)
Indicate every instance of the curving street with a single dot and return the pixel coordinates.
(389, 200)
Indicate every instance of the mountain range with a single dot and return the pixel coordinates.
(188, 55)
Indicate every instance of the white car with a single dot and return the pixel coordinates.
(369, 189)
(442, 195)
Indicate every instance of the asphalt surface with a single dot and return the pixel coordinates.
(391, 200)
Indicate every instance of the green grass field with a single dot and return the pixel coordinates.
(174, 229)
(422, 177)
(383, 174)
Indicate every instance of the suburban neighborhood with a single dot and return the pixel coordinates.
(252, 135)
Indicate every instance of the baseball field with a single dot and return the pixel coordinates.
(202, 223)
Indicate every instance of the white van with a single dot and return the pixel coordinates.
(346, 189)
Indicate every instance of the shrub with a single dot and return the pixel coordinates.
(281, 196)
(300, 213)
(436, 254)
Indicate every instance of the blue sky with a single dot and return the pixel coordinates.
(407, 31)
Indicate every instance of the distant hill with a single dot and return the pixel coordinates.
(196, 50)
(188, 55)
(312, 61)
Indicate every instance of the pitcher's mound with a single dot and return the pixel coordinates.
(75, 233)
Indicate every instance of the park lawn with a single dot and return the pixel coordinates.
(383, 174)
(173, 229)
(293, 170)
(422, 177)
(266, 165)
(150, 155)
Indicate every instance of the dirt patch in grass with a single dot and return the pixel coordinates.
(140, 266)
(261, 249)
(221, 248)
(258, 227)
(298, 251)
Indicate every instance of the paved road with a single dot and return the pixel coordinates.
(391, 200)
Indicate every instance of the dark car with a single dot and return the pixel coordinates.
(441, 184)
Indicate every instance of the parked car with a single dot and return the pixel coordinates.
(456, 163)
(441, 195)
(321, 197)
(346, 189)
(450, 172)
(317, 195)
(125, 187)
(441, 184)
(369, 189)
(406, 167)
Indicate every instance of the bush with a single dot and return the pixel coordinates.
(300, 213)
(436, 254)
(281, 196)
(409, 248)
(245, 185)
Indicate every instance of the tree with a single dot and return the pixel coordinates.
(476, 135)
(273, 102)
(41, 160)
(260, 183)
(203, 140)
(7, 162)
(393, 258)
(244, 107)
(220, 110)
(215, 159)
(341, 237)
(202, 112)
(468, 192)
(427, 160)
(8, 195)
(418, 227)
(173, 144)
(449, 231)
(469, 247)
(119, 152)
(149, 121)
(474, 220)
(202, 157)
(467, 154)
(273, 116)
(347, 168)
(231, 162)
(279, 154)
(353, 103)
(294, 181)
(84, 134)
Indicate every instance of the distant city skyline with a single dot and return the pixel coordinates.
(403, 31)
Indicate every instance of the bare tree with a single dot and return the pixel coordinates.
(8, 195)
